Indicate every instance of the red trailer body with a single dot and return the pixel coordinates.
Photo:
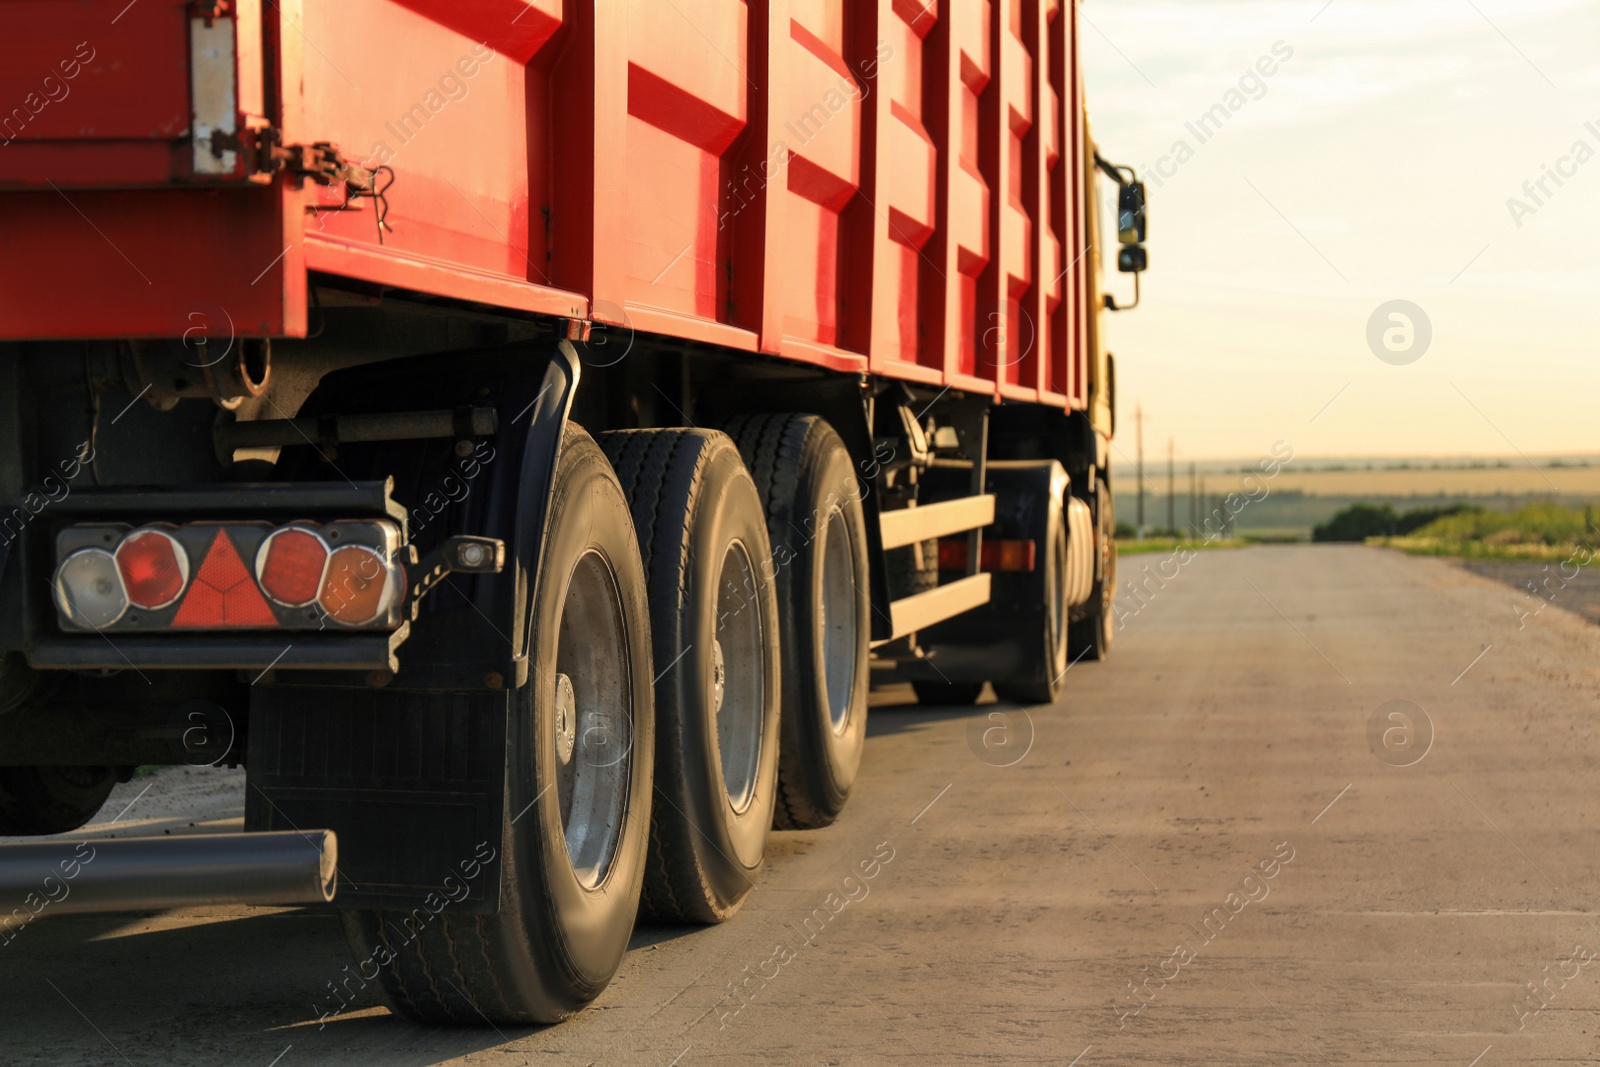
(890, 186)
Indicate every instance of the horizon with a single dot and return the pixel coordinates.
(1152, 454)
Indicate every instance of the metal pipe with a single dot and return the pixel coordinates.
(227, 370)
(349, 429)
(155, 873)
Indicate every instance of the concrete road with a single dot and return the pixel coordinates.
(1208, 853)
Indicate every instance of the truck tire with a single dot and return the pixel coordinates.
(948, 694)
(1042, 660)
(51, 800)
(714, 629)
(906, 576)
(819, 544)
(577, 813)
(1090, 636)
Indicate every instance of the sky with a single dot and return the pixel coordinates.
(1375, 164)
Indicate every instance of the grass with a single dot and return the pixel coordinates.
(1428, 546)
(1538, 533)
(1172, 544)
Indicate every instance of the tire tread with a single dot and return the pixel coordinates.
(459, 969)
(774, 446)
(661, 469)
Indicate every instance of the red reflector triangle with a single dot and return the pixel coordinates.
(224, 593)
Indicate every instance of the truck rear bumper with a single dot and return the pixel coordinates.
(151, 873)
(307, 651)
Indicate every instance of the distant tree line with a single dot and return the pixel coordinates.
(1361, 521)
(1541, 522)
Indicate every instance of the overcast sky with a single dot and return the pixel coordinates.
(1374, 164)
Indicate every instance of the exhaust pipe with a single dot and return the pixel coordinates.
(157, 873)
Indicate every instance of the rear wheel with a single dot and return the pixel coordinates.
(819, 545)
(51, 800)
(913, 569)
(714, 625)
(1042, 662)
(578, 776)
(1090, 636)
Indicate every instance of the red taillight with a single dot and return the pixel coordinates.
(998, 555)
(290, 566)
(154, 568)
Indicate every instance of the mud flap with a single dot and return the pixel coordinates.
(413, 784)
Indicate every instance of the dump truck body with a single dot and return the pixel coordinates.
(519, 433)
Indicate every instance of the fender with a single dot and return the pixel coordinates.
(410, 780)
(473, 633)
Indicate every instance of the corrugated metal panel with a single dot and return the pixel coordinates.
(894, 185)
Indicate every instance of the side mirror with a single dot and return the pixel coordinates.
(1131, 214)
(1133, 259)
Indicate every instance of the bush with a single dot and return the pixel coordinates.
(1535, 524)
(1125, 532)
(1417, 518)
(1359, 522)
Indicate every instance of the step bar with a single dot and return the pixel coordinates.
(936, 605)
(910, 526)
(907, 526)
(86, 875)
(930, 522)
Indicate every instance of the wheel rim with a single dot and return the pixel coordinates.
(738, 677)
(836, 619)
(591, 722)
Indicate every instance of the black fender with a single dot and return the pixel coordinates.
(411, 775)
(471, 633)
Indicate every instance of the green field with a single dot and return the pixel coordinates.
(1309, 492)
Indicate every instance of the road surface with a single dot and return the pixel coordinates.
(1208, 853)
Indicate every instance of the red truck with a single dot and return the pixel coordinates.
(519, 432)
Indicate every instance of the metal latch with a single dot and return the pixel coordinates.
(321, 161)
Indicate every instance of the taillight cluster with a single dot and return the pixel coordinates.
(305, 575)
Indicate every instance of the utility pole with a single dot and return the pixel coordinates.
(1138, 418)
(1204, 518)
(1172, 518)
(1194, 505)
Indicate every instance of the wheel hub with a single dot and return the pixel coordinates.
(566, 719)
